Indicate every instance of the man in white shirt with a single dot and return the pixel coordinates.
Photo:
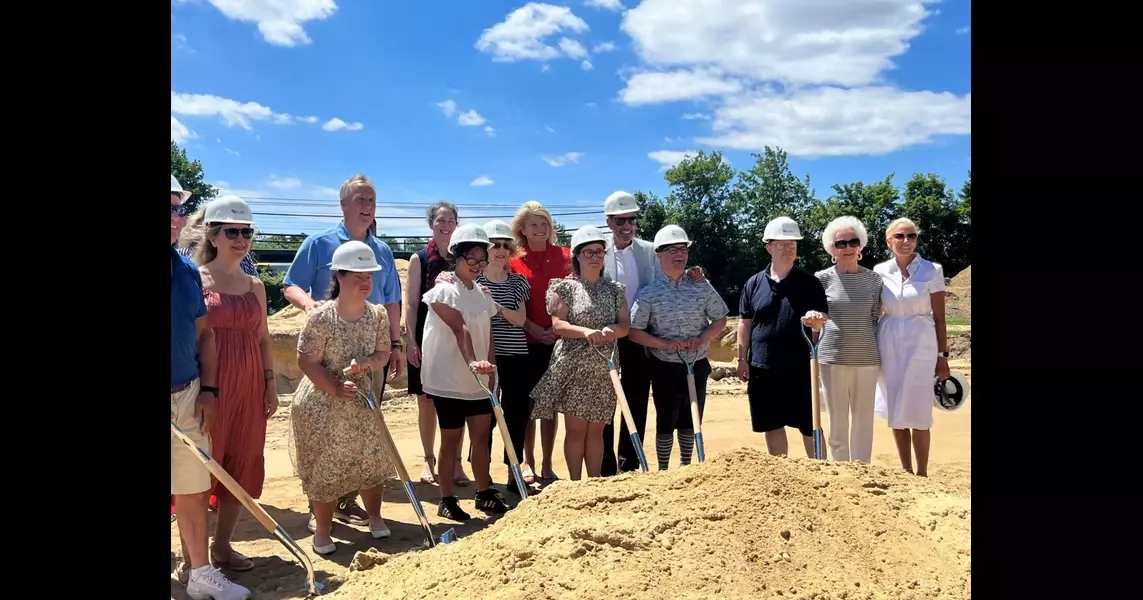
(632, 262)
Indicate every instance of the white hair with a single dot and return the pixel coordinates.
(900, 221)
(839, 224)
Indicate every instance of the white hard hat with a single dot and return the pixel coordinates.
(497, 230)
(228, 209)
(620, 203)
(781, 228)
(469, 232)
(586, 235)
(671, 235)
(354, 256)
(952, 393)
(176, 188)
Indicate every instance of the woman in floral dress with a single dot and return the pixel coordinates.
(587, 310)
(336, 447)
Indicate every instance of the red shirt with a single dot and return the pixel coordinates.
(540, 268)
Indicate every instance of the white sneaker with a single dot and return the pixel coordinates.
(208, 583)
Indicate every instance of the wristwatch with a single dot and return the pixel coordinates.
(212, 390)
(943, 354)
(268, 374)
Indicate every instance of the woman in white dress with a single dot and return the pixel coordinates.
(913, 343)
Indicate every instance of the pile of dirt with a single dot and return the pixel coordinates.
(963, 279)
(742, 525)
(958, 294)
(286, 324)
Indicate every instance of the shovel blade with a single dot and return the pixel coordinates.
(448, 536)
(819, 444)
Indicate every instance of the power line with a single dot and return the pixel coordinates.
(412, 217)
(421, 205)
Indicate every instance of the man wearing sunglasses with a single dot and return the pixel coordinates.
(309, 279)
(632, 262)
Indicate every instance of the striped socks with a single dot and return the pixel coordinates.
(663, 444)
(686, 446)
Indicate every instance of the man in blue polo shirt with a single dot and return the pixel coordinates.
(194, 367)
(308, 281)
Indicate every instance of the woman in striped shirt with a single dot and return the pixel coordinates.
(850, 362)
(511, 291)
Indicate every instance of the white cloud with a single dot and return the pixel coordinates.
(549, 129)
(605, 4)
(836, 122)
(234, 152)
(336, 124)
(179, 43)
(284, 184)
(670, 158)
(586, 65)
(490, 131)
(675, 86)
(563, 159)
(572, 48)
(481, 181)
(310, 120)
(448, 107)
(522, 33)
(602, 47)
(180, 133)
(964, 30)
(279, 21)
(232, 112)
(806, 76)
(470, 118)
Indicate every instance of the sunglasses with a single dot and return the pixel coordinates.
(179, 209)
(855, 242)
(905, 236)
(625, 220)
(232, 232)
(502, 245)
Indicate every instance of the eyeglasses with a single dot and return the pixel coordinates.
(502, 245)
(674, 250)
(592, 253)
(179, 209)
(232, 232)
(475, 262)
(626, 220)
(905, 236)
(855, 242)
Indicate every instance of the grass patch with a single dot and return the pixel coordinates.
(958, 321)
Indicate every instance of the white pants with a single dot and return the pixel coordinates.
(848, 394)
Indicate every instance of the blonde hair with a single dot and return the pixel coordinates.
(352, 182)
(192, 230)
(900, 221)
(532, 208)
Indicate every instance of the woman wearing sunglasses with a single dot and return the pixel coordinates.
(247, 392)
(848, 355)
(913, 342)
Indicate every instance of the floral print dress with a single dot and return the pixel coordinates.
(336, 447)
(577, 382)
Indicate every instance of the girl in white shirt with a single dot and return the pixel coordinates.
(457, 344)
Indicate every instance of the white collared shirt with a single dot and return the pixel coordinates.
(627, 271)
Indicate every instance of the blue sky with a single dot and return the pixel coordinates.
(493, 102)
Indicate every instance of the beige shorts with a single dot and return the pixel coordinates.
(188, 474)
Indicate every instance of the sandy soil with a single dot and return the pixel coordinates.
(744, 512)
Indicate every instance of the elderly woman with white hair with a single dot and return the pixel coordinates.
(848, 354)
(913, 341)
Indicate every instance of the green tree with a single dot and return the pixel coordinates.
(768, 190)
(965, 206)
(190, 176)
(875, 205)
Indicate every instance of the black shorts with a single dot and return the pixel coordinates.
(780, 398)
(452, 412)
(414, 373)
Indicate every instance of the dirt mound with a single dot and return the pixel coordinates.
(960, 346)
(742, 525)
(962, 279)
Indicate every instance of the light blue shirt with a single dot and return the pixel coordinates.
(310, 269)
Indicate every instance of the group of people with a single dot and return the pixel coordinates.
(503, 306)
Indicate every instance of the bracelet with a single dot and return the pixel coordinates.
(395, 346)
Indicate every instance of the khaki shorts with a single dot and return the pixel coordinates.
(188, 474)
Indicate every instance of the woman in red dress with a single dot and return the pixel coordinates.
(542, 261)
(236, 310)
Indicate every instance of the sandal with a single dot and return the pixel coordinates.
(427, 476)
(529, 475)
(461, 480)
(235, 562)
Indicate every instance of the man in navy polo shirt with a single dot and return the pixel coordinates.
(308, 281)
(194, 367)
